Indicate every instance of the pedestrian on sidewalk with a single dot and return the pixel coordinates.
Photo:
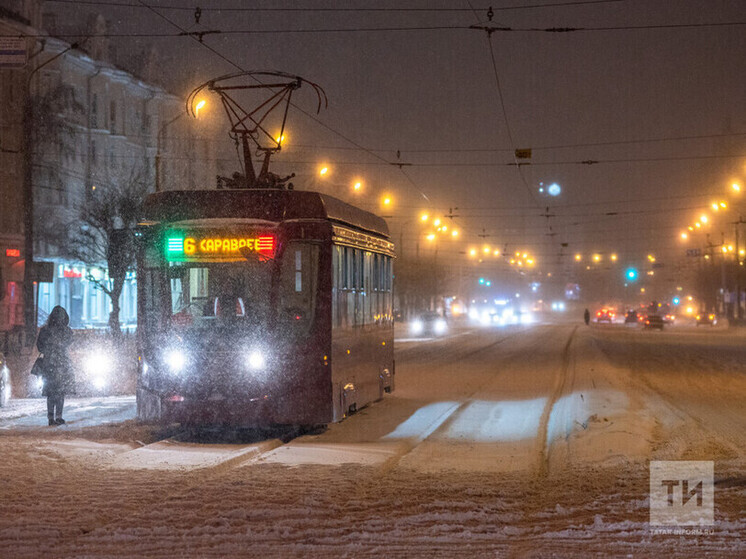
(54, 340)
(587, 317)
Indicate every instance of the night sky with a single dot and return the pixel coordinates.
(652, 92)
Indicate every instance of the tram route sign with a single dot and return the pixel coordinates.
(184, 246)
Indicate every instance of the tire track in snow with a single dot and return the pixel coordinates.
(677, 409)
(560, 384)
(447, 417)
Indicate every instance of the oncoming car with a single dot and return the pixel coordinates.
(428, 324)
(708, 319)
(99, 368)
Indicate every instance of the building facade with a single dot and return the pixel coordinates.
(95, 127)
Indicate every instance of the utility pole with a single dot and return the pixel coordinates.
(739, 310)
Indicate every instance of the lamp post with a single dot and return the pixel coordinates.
(197, 107)
(158, 150)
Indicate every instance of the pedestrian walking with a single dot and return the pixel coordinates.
(587, 317)
(54, 340)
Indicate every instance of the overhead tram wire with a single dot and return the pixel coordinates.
(548, 147)
(303, 111)
(563, 30)
(327, 10)
(488, 31)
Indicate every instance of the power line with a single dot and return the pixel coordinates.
(386, 30)
(303, 111)
(340, 10)
(540, 147)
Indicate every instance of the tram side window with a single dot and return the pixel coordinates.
(298, 284)
(367, 291)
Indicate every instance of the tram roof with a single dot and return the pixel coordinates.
(268, 204)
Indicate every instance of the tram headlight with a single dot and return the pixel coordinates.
(255, 360)
(417, 327)
(175, 359)
(440, 326)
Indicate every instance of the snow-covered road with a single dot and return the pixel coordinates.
(523, 441)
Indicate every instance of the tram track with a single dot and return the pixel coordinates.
(451, 414)
(563, 380)
(255, 451)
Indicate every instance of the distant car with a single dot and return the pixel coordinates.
(631, 317)
(428, 324)
(708, 319)
(653, 321)
(669, 318)
(605, 315)
(4, 382)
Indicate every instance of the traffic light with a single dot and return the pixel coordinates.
(481, 281)
(631, 274)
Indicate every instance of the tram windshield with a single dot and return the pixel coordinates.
(225, 295)
(207, 301)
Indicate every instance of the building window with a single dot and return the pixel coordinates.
(113, 116)
(94, 111)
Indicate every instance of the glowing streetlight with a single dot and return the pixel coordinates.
(703, 218)
(597, 258)
(323, 171)
(454, 233)
(486, 250)
(578, 257)
(735, 186)
(651, 258)
(431, 237)
(200, 105)
(472, 252)
(357, 187)
(424, 217)
(684, 236)
(436, 222)
(613, 257)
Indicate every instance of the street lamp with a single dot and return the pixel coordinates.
(199, 106)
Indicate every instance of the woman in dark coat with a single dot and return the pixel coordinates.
(53, 342)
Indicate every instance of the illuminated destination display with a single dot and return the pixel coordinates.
(186, 246)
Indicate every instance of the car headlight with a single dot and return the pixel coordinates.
(255, 360)
(99, 381)
(417, 327)
(176, 360)
(97, 363)
(440, 326)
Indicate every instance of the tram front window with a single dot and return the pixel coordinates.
(224, 295)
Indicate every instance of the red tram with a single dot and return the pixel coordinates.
(261, 307)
